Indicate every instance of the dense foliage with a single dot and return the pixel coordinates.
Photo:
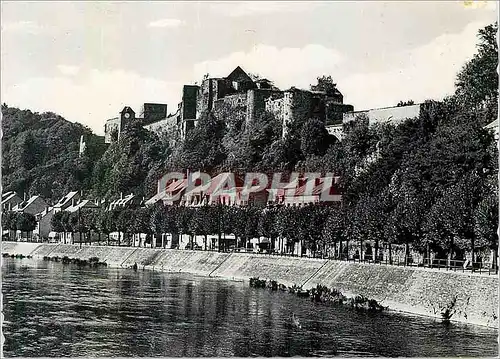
(40, 154)
(17, 221)
(133, 164)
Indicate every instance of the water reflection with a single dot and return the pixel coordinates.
(56, 310)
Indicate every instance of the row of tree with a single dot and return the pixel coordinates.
(319, 228)
(18, 221)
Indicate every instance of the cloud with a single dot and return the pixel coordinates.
(260, 8)
(169, 23)
(68, 70)
(426, 72)
(286, 66)
(93, 97)
(28, 27)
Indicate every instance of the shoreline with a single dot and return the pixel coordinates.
(414, 291)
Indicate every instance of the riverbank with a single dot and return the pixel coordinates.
(472, 298)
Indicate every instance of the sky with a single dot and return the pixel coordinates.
(87, 60)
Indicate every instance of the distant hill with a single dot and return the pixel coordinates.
(40, 153)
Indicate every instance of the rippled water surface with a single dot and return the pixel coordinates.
(56, 310)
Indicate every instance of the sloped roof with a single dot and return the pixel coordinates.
(25, 204)
(492, 125)
(127, 109)
(82, 204)
(238, 75)
(66, 199)
(155, 198)
(124, 200)
(7, 196)
(219, 182)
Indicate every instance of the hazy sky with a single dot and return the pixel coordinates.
(86, 60)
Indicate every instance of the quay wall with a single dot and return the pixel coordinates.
(419, 291)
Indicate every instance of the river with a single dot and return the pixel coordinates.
(51, 309)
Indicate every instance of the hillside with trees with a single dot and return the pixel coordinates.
(40, 154)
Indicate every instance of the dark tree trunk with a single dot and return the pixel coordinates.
(473, 249)
(390, 253)
(407, 253)
(361, 248)
(494, 260)
(450, 253)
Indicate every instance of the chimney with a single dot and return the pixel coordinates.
(72, 202)
(81, 193)
(24, 197)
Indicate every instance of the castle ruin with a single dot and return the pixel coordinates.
(244, 93)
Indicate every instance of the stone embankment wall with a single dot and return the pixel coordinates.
(414, 290)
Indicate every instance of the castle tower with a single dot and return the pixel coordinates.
(127, 114)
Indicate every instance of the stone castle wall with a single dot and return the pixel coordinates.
(393, 115)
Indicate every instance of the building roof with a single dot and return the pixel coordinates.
(44, 212)
(122, 201)
(221, 182)
(157, 197)
(127, 109)
(25, 204)
(238, 74)
(7, 196)
(66, 199)
(492, 125)
(82, 204)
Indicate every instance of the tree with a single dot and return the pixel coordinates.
(203, 222)
(183, 220)
(266, 225)
(477, 82)
(156, 220)
(141, 223)
(124, 218)
(326, 84)
(25, 222)
(202, 148)
(406, 219)
(486, 222)
(288, 222)
(450, 223)
(9, 221)
(334, 229)
(405, 103)
(104, 221)
(128, 164)
(252, 215)
(314, 138)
